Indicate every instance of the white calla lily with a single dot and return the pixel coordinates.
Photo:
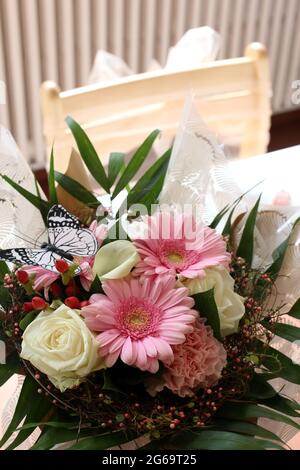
(115, 260)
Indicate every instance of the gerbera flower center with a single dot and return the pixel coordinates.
(173, 254)
(175, 257)
(138, 318)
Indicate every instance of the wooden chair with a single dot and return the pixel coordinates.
(233, 97)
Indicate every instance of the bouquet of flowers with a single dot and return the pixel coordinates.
(129, 322)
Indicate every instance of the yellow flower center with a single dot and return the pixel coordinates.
(137, 318)
(175, 257)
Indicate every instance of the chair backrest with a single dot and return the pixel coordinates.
(233, 97)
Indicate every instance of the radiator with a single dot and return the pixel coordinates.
(57, 40)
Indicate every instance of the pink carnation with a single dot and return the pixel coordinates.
(138, 322)
(177, 245)
(198, 363)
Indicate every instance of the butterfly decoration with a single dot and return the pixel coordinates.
(66, 239)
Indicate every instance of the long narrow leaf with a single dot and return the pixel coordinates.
(283, 405)
(279, 255)
(288, 371)
(51, 180)
(295, 310)
(53, 436)
(245, 248)
(39, 203)
(225, 209)
(216, 440)
(244, 411)
(23, 407)
(115, 166)
(76, 189)
(227, 228)
(289, 332)
(39, 409)
(219, 216)
(260, 388)
(244, 427)
(135, 163)
(88, 154)
(149, 180)
(206, 306)
(4, 269)
(103, 441)
(11, 367)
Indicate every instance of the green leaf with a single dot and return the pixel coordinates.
(115, 166)
(283, 405)
(29, 317)
(11, 367)
(244, 427)
(206, 306)
(227, 227)
(289, 332)
(279, 255)
(244, 411)
(50, 424)
(36, 201)
(5, 298)
(4, 269)
(152, 196)
(224, 211)
(96, 287)
(24, 407)
(39, 409)
(135, 163)
(76, 189)
(103, 441)
(88, 154)
(295, 310)
(245, 248)
(109, 384)
(289, 371)
(219, 217)
(147, 183)
(51, 181)
(217, 440)
(260, 389)
(53, 436)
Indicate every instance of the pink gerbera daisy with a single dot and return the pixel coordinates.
(177, 245)
(138, 322)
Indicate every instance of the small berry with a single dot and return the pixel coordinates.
(56, 290)
(71, 290)
(27, 307)
(22, 276)
(61, 266)
(38, 303)
(72, 302)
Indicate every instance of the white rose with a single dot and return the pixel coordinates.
(59, 344)
(115, 260)
(230, 305)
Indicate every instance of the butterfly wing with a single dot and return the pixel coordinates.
(65, 233)
(34, 257)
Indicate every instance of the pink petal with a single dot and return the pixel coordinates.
(165, 352)
(126, 353)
